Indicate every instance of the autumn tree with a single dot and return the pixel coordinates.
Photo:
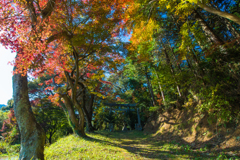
(58, 39)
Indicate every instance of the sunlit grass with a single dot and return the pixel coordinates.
(96, 147)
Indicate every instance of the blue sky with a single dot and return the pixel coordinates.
(6, 75)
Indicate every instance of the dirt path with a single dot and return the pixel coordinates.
(148, 147)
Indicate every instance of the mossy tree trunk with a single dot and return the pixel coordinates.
(32, 134)
(81, 119)
(77, 128)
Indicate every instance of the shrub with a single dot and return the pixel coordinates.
(9, 128)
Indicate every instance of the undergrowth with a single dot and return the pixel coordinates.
(7, 150)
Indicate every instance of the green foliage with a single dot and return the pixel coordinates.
(3, 116)
(7, 149)
(110, 118)
(3, 146)
(214, 103)
(14, 136)
(189, 51)
(52, 118)
(9, 105)
(153, 109)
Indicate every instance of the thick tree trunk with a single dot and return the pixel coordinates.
(81, 132)
(88, 112)
(90, 128)
(90, 106)
(73, 119)
(32, 134)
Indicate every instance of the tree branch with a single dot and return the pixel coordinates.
(229, 16)
(58, 35)
(48, 9)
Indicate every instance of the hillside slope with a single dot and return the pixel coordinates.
(195, 129)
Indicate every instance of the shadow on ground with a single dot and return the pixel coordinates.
(148, 147)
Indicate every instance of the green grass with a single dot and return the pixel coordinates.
(131, 145)
(102, 145)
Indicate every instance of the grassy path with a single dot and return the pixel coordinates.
(123, 145)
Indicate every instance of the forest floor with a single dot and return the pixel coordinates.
(128, 145)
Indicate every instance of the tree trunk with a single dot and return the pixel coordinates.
(81, 118)
(171, 68)
(73, 119)
(90, 106)
(32, 134)
(229, 16)
(90, 128)
(178, 65)
(88, 113)
(200, 72)
(160, 88)
(208, 31)
(210, 34)
(50, 138)
(150, 89)
(195, 58)
(215, 39)
(190, 67)
(201, 45)
(228, 24)
(233, 31)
